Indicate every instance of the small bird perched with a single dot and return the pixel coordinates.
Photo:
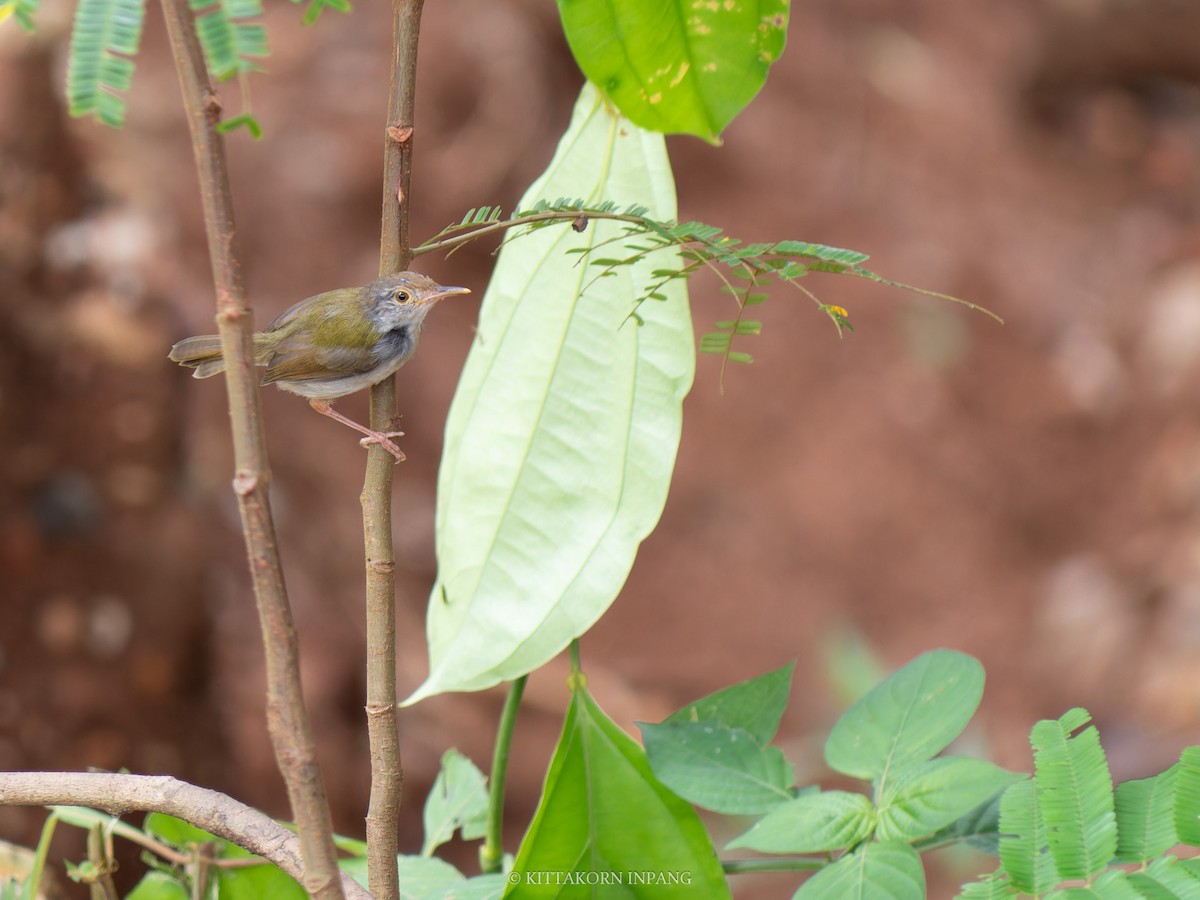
(335, 343)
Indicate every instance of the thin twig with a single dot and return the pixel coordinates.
(550, 215)
(287, 718)
(212, 811)
(387, 774)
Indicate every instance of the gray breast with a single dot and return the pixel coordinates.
(399, 342)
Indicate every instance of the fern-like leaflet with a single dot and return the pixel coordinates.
(105, 35)
(744, 270)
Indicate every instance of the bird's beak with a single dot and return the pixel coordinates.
(444, 292)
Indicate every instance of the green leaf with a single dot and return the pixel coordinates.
(256, 882)
(562, 435)
(105, 34)
(421, 877)
(1187, 797)
(1166, 879)
(457, 800)
(806, 250)
(978, 828)
(481, 887)
(920, 799)
(816, 822)
(159, 886)
(316, 7)
(242, 883)
(875, 871)
(231, 43)
(604, 819)
(994, 887)
(245, 120)
(717, 767)
(85, 818)
(175, 831)
(1112, 885)
(1075, 794)
(755, 705)
(1144, 817)
(677, 65)
(21, 10)
(1023, 850)
(910, 717)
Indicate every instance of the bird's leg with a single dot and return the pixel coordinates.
(382, 438)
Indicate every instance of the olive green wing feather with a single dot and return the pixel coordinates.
(322, 337)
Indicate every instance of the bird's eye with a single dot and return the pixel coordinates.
(401, 296)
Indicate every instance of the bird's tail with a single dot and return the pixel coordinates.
(202, 353)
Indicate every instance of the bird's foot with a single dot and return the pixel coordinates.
(383, 439)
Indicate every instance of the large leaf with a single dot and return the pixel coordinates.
(605, 827)
(677, 65)
(910, 717)
(563, 432)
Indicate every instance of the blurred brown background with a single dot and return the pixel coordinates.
(1028, 493)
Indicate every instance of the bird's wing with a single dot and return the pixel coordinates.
(301, 362)
(333, 352)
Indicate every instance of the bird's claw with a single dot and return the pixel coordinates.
(383, 439)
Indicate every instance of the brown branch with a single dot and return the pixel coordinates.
(387, 775)
(287, 719)
(210, 810)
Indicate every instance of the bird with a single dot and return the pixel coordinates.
(335, 343)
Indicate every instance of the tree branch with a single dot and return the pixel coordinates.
(387, 775)
(287, 718)
(210, 810)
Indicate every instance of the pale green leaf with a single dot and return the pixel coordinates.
(457, 800)
(817, 822)
(875, 871)
(717, 767)
(919, 799)
(562, 435)
(910, 717)
(755, 705)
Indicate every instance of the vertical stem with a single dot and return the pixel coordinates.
(491, 854)
(287, 718)
(387, 776)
